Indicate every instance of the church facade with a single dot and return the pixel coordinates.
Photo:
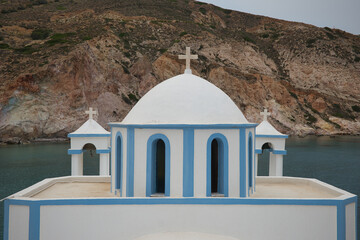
(182, 165)
(200, 146)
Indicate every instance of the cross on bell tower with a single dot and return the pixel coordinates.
(265, 113)
(188, 57)
(91, 112)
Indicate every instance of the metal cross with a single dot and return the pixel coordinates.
(91, 113)
(188, 57)
(265, 113)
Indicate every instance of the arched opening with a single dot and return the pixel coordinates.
(118, 163)
(263, 159)
(91, 160)
(250, 160)
(158, 170)
(158, 166)
(217, 166)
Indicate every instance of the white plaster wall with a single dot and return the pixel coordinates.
(277, 143)
(201, 137)
(175, 137)
(18, 222)
(350, 217)
(123, 132)
(99, 142)
(250, 222)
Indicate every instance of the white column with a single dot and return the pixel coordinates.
(275, 164)
(104, 164)
(77, 164)
(272, 164)
(279, 165)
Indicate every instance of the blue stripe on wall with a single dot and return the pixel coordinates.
(195, 201)
(130, 163)
(188, 162)
(242, 162)
(6, 219)
(341, 221)
(34, 222)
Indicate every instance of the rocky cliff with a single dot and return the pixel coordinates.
(60, 57)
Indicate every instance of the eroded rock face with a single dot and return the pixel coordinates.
(308, 77)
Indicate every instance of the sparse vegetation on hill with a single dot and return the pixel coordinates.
(71, 54)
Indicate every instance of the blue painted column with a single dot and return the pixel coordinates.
(130, 163)
(242, 162)
(188, 162)
(34, 221)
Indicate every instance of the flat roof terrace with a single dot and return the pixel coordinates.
(99, 187)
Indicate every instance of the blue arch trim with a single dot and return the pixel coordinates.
(188, 162)
(242, 162)
(250, 159)
(224, 151)
(130, 163)
(149, 156)
(118, 161)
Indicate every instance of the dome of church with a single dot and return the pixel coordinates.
(185, 99)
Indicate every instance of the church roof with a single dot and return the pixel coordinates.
(185, 99)
(90, 127)
(265, 128)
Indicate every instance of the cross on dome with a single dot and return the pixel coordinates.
(265, 113)
(91, 112)
(188, 57)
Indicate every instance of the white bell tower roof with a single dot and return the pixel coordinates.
(90, 127)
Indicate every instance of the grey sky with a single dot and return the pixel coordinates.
(341, 14)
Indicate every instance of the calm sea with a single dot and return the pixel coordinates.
(333, 160)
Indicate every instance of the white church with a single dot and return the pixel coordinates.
(181, 165)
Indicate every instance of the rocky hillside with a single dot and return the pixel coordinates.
(59, 57)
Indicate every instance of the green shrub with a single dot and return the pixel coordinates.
(4, 46)
(356, 108)
(310, 42)
(182, 34)
(200, 3)
(1, 38)
(357, 59)
(125, 98)
(310, 118)
(330, 36)
(275, 36)
(60, 7)
(248, 39)
(265, 35)
(328, 29)
(40, 34)
(132, 97)
(163, 50)
(25, 50)
(202, 10)
(227, 11)
(40, 2)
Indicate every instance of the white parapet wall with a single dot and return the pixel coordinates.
(28, 217)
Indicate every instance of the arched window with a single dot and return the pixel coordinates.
(250, 160)
(158, 166)
(217, 166)
(118, 161)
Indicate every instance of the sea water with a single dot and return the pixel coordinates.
(333, 160)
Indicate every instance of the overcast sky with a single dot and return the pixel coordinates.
(341, 14)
